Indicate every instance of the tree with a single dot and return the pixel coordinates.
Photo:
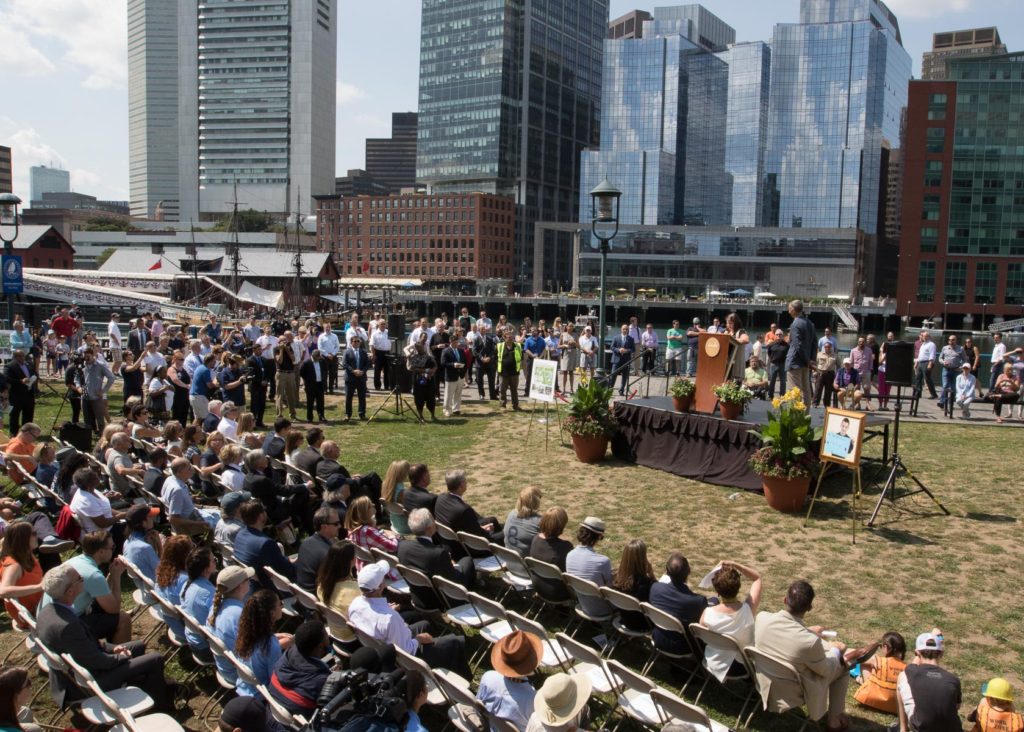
(104, 256)
(248, 221)
(106, 223)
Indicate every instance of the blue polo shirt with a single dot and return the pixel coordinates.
(201, 379)
(535, 346)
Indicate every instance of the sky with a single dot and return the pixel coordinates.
(64, 97)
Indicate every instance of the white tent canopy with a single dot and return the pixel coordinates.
(258, 296)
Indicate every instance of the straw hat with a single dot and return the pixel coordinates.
(561, 698)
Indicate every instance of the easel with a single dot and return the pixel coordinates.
(857, 491)
(848, 459)
(547, 423)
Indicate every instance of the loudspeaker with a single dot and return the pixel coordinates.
(400, 375)
(899, 363)
(396, 327)
(77, 435)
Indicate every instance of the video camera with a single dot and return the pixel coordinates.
(351, 698)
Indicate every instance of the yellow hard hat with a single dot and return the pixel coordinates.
(998, 689)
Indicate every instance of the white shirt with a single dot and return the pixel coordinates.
(352, 332)
(414, 337)
(192, 362)
(328, 344)
(228, 428)
(267, 343)
(316, 370)
(167, 396)
(152, 361)
(86, 505)
(379, 341)
(252, 332)
(587, 343)
(927, 352)
(998, 352)
(300, 351)
(233, 477)
(375, 617)
(114, 333)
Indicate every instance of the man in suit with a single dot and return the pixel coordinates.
(485, 356)
(273, 445)
(452, 511)
(356, 363)
(258, 379)
(432, 559)
(623, 346)
(677, 599)
(453, 366)
(21, 390)
(823, 671)
(309, 457)
(138, 337)
(253, 548)
(314, 380)
(328, 465)
(417, 494)
(113, 666)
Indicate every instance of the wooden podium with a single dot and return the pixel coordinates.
(715, 352)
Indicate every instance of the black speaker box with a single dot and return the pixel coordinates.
(396, 327)
(77, 435)
(899, 363)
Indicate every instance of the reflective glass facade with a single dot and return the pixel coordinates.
(838, 83)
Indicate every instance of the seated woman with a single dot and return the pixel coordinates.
(257, 644)
(730, 616)
(171, 438)
(391, 493)
(171, 576)
(21, 576)
(1006, 390)
(232, 588)
(197, 596)
(247, 434)
(139, 425)
(548, 545)
(880, 674)
(362, 530)
(523, 523)
(336, 587)
(47, 466)
(634, 577)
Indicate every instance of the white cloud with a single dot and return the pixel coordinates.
(347, 93)
(28, 149)
(928, 8)
(19, 57)
(89, 36)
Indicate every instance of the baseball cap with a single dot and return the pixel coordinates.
(139, 512)
(232, 576)
(847, 362)
(928, 642)
(230, 502)
(371, 576)
(966, 366)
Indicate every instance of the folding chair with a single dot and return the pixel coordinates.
(202, 660)
(516, 576)
(280, 713)
(585, 588)
(463, 613)
(635, 698)
(226, 683)
(625, 603)
(671, 708)
(588, 661)
(420, 580)
(409, 662)
(363, 554)
(487, 564)
(554, 655)
(713, 639)
(466, 714)
(127, 722)
(775, 669)
(671, 624)
(286, 591)
(171, 613)
(542, 570)
(129, 698)
(144, 597)
(497, 630)
(23, 616)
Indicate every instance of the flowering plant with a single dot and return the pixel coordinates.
(589, 413)
(682, 388)
(786, 439)
(731, 392)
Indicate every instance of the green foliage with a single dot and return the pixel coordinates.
(105, 255)
(249, 221)
(589, 413)
(682, 388)
(731, 392)
(786, 439)
(105, 223)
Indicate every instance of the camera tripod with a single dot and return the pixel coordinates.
(401, 401)
(63, 401)
(898, 470)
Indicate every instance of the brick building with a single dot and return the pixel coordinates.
(43, 246)
(962, 247)
(442, 239)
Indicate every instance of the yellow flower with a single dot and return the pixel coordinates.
(777, 402)
(800, 406)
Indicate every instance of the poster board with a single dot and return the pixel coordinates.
(6, 352)
(543, 380)
(842, 437)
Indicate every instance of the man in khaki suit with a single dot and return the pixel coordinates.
(824, 671)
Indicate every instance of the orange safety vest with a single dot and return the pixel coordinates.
(879, 688)
(995, 720)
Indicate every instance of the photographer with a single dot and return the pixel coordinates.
(257, 377)
(74, 380)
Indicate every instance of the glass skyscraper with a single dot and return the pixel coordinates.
(838, 85)
(509, 96)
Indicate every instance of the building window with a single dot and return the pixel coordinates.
(929, 239)
(933, 174)
(926, 281)
(1015, 284)
(955, 282)
(936, 139)
(985, 282)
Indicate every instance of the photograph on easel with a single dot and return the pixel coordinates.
(842, 437)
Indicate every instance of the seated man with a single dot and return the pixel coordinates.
(229, 525)
(313, 550)
(113, 666)
(847, 385)
(143, 545)
(228, 423)
(677, 599)
(284, 501)
(98, 600)
(328, 465)
(585, 562)
(310, 456)
(181, 511)
(273, 445)
(371, 613)
(120, 465)
(933, 692)
(212, 418)
(417, 495)
(153, 479)
(453, 511)
(432, 559)
(824, 672)
(253, 548)
(755, 378)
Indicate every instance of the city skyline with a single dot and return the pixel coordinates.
(76, 51)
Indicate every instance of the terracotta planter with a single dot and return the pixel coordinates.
(590, 449)
(785, 494)
(682, 404)
(729, 410)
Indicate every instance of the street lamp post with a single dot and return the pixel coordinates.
(9, 220)
(945, 315)
(604, 210)
(984, 312)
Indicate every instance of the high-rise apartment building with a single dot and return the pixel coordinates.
(6, 170)
(44, 179)
(959, 44)
(254, 104)
(962, 247)
(509, 96)
(630, 25)
(392, 160)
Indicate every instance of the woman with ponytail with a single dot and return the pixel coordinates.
(257, 644)
(197, 597)
(226, 610)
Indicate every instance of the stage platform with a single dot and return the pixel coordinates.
(706, 448)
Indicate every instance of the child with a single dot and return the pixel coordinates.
(878, 687)
(62, 355)
(996, 713)
(50, 344)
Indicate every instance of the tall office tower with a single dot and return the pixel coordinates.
(510, 95)
(959, 44)
(6, 170)
(392, 160)
(838, 85)
(630, 25)
(255, 102)
(44, 179)
(663, 141)
(153, 108)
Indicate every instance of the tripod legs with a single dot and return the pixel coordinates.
(889, 489)
(401, 406)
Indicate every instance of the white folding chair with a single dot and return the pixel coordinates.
(488, 564)
(409, 662)
(516, 574)
(131, 699)
(286, 591)
(624, 603)
(588, 661)
(775, 669)
(554, 655)
(713, 639)
(466, 713)
(671, 624)
(280, 713)
(671, 708)
(635, 698)
(497, 630)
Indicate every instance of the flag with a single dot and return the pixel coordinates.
(158, 265)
